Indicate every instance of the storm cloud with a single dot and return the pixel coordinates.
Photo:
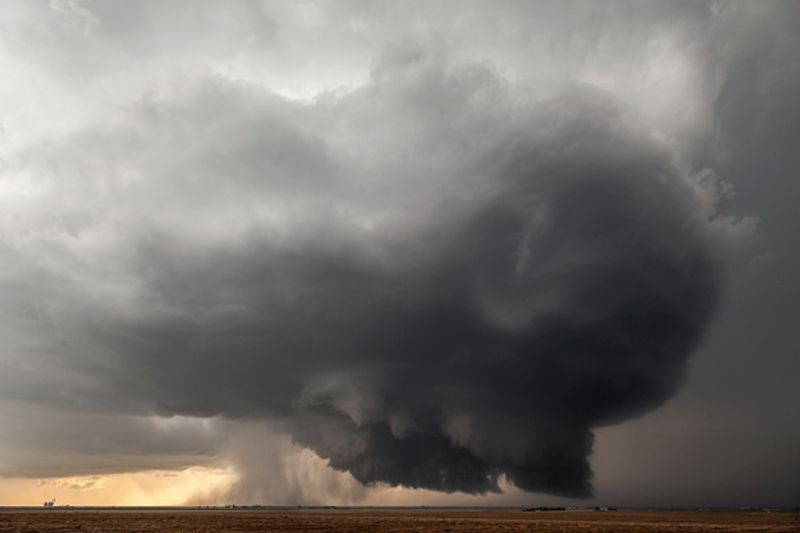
(442, 276)
(477, 323)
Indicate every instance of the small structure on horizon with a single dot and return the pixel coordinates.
(50, 503)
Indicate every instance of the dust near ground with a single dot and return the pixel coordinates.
(362, 520)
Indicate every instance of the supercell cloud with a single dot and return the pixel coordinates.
(432, 310)
(440, 277)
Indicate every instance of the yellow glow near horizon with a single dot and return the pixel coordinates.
(194, 486)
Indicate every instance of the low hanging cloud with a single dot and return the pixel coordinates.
(82, 483)
(430, 281)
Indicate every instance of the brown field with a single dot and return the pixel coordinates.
(364, 520)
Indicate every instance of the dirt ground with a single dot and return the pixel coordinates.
(352, 520)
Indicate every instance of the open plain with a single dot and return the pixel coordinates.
(364, 520)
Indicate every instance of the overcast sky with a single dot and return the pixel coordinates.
(400, 253)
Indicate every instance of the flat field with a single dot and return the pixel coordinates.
(363, 520)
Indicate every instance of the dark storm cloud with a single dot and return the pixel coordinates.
(443, 274)
(570, 297)
(554, 280)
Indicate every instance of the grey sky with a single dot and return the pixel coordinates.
(439, 244)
